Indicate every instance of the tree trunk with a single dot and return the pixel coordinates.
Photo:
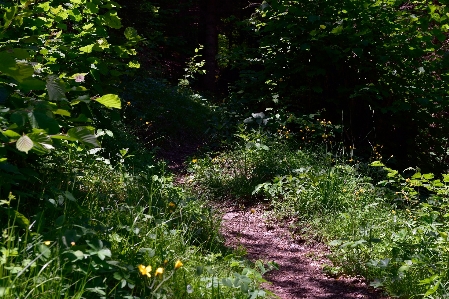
(209, 32)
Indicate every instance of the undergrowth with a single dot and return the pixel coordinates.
(388, 226)
(110, 222)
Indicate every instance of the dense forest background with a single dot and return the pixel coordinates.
(316, 107)
(377, 69)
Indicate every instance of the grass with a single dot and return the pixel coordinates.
(111, 223)
(392, 230)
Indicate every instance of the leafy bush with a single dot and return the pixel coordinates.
(55, 56)
(378, 66)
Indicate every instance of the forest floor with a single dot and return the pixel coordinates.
(300, 261)
(300, 273)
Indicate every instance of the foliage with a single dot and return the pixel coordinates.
(379, 66)
(100, 222)
(55, 58)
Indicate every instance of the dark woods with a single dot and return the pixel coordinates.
(378, 69)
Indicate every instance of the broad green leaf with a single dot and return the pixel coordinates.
(428, 176)
(105, 252)
(44, 250)
(63, 137)
(85, 135)
(42, 142)
(91, 8)
(7, 60)
(377, 164)
(62, 112)
(95, 244)
(19, 53)
(87, 49)
(112, 20)
(69, 196)
(75, 255)
(11, 134)
(131, 34)
(55, 89)
(19, 118)
(31, 84)
(41, 120)
(24, 144)
(19, 71)
(110, 101)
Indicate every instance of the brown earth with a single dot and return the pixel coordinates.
(300, 273)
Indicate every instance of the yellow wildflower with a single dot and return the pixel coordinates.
(178, 264)
(47, 243)
(159, 271)
(172, 204)
(72, 243)
(128, 103)
(145, 270)
(194, 160)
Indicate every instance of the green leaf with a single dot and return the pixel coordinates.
(55, 89)
(9, 15)
(110, 101)
(24, 144)
(11, 134)
(103, 253)
(131, 34)
(95, 244)
(19, 53)
(112, 20)
(42, 142)
(428, 176)
(85, 135)
(77, 255)
(87, 49)
(45, 252)
(91, 7)
(7, 60)
(31, 84)
(19, 71)
(377, 164)
(69, 196)
(41, 120)
(62, 112)
(134, 64)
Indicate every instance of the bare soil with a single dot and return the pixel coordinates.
(300, 273)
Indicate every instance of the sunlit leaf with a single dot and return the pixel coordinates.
(24, 144)
(110, 101)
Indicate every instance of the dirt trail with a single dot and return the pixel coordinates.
(300, 272)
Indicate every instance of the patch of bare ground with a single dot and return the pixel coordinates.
(300, 273)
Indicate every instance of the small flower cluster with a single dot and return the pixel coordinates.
(147, 270)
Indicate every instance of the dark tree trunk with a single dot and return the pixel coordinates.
(209, 37)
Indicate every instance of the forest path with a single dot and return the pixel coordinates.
(300, 273)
